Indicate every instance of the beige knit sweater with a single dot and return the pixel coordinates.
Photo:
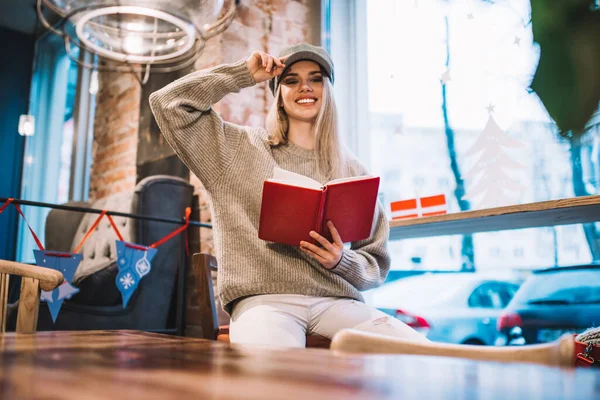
(232, 162)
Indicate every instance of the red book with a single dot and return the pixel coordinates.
(293, 205)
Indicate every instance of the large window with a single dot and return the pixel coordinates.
(58, 156)
(439, 104)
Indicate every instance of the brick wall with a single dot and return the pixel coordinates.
(114, 148)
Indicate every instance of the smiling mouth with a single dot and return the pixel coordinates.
(305, 102)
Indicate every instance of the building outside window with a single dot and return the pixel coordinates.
(436, 83)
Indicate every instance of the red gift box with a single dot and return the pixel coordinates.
(419, 207)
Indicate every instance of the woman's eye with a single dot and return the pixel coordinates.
(290, 82)
(319, 79)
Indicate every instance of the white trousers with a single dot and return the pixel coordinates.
(284, 320)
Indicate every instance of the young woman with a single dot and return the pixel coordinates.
(276, 294)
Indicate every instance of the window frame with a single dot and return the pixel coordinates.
(47, 98)
(344, 30)
(344, 35)
(83, 131)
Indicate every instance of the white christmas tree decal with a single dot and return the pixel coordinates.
(490, 183)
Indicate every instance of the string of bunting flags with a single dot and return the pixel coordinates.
(134, 261)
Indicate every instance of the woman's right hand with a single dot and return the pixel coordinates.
(264, 66)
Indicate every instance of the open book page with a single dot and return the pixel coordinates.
(291, 178)
(349, 179)
(350, 206)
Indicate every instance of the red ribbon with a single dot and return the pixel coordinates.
(115, 227)
(87, 235)
(6, 204)
(188, 211)
(136, 246)
(171, 235)
(56, 254)
(30, 230)
(39, 243)
(89, 232)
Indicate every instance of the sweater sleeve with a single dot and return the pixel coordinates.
(367, 263)
(197, 134)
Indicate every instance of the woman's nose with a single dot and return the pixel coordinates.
(306, 86)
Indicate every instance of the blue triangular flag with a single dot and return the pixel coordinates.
(66, 265)
(134, 263)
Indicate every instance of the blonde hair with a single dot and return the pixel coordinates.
(331, 156)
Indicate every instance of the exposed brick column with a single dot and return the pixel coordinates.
(114, 149)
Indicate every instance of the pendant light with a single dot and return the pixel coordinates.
(136, 35)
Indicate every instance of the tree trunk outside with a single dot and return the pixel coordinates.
(591, 233)
(467, 248)
(540, 171)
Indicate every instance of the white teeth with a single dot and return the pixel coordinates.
(304, 101)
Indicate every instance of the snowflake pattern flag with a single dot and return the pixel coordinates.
(134, 263)
(67, 264)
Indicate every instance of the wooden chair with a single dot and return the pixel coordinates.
(33, 279)
(204, 264)
(557, 353)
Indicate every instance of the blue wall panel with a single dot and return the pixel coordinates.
(15, 78)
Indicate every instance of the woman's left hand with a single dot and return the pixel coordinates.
(331, 253)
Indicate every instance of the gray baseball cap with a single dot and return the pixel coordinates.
(303, 51)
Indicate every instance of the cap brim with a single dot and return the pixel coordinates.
(301, 56)
(306, 56)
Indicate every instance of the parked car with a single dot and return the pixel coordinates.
(550, 303)
(447, 307)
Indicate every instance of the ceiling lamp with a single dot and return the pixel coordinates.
(136, 35)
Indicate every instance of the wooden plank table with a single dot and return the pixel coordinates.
(133, 365)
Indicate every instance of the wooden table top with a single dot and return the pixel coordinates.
(136, 365)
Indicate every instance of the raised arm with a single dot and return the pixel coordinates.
(184, 113)
(197, 134)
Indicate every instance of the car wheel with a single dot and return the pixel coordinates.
(475, 342)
